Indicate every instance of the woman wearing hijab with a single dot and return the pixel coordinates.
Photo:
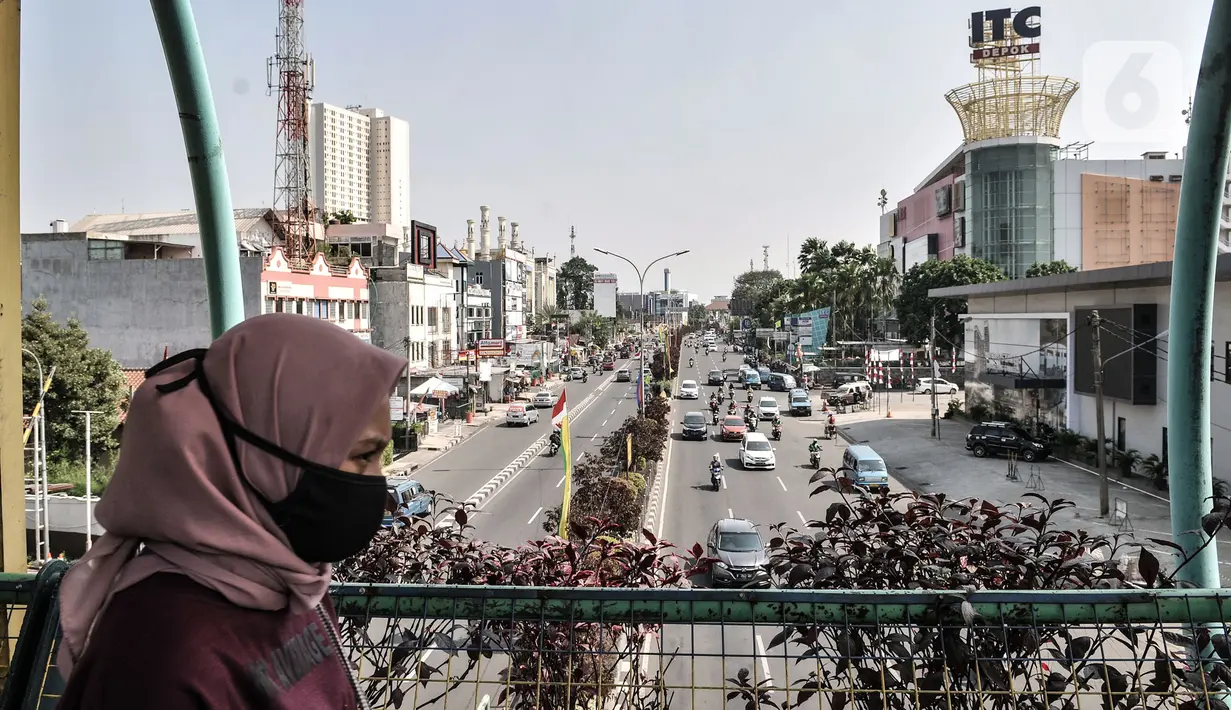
(244, 471)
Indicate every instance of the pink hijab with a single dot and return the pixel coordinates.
(302, 383)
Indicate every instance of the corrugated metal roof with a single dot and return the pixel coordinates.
(160, 223)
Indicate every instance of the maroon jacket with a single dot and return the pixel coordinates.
(169, 643)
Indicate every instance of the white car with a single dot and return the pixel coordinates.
(767, 408)
(543, 398)
(755, 451)
(521, 415)
(927, 385)
(689, 390)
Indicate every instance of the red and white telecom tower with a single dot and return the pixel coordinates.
(292, 73)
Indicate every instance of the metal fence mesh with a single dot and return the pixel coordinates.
(587, 648)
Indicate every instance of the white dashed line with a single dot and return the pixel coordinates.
(730, 514)
(781, 483)
(536, 514)
(605, 422)
(764, 660)
(724, 483)
(802, 519)
(561, 482)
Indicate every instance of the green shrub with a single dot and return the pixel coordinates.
(74, 473)
(638, 482)
(386, 456)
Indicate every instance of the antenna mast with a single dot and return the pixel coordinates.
(572, 242)
(292, 73)
(765, 257)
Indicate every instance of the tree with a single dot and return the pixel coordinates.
(344, 217)
(86, 379)
(1049, 268)
(754, 294)
(697, 315)
(914, 306)
(575, 285)
(857, 283)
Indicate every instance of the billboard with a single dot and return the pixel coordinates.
(1003, 33)
(813, 325)
(605, 295)
(492, 347)
(423, 245)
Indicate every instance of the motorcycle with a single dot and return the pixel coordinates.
(585, 377)
(692, 362)
(716, 477)
(831, 430)
(814, 459)
(715, 417)
(552, 448)
(714, 406)
(777, 432)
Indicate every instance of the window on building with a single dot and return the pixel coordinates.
(105, 250)
(333, 310)
(350, 310)
(363, 310)
(432, 319)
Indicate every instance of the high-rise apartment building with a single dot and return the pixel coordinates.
(361, 163)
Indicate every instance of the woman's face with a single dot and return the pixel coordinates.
(365, 454)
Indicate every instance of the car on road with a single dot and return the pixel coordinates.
(850, 393)
(752, 379)
(521, 415)
(739, 554)
(991, 438)
(689, 390)
(755, 451)
(800, 403)
(623, 375)
(928, 385)
(576, 373)
(867, 466)
(715, 377)
(696, 426)
(407, 499)
(767, 408)
(733, 428)
(544, 398)
(608, 365)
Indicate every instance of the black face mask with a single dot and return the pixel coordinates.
(330, 515)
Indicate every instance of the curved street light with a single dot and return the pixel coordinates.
(641, 281)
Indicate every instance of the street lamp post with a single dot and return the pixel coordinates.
(641, 283)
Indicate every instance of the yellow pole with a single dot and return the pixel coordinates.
(12, 462)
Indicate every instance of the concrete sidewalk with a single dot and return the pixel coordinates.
(943, 465)
(455, 432)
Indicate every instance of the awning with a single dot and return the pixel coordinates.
(433, 387)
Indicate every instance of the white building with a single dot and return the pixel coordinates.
(605, 287)
(413, 314)
(1029, 352)
(545, 270)
(361, 163)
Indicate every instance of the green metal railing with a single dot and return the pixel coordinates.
(526, 647)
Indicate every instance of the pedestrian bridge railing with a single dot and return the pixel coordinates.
(523, 647)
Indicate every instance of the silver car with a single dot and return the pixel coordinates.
(544, 398)
(739, 554)
(689, 390)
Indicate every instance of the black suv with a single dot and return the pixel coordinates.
(990, 438)
(696, 426)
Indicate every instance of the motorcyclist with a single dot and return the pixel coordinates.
(731, 390)
(814, 453)
(750, 396)
(713, 405)
(556, 439)
(585, 376)
(716, 464)
(731, 408)
(720, 398)
(692, 362)
(832, 424)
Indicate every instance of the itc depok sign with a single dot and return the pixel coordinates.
(990, 39)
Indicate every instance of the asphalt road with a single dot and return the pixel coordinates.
(514, 514)
(764, 497)
(463, 469)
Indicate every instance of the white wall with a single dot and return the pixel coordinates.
(1144, 424)
(916, 252)
(605, 295)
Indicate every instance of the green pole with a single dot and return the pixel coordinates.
(1192, 301)
(203, 143)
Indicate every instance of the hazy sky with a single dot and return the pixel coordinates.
(712, 125)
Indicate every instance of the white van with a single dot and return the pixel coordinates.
(755, 451)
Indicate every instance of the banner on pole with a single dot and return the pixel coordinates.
(559, 418)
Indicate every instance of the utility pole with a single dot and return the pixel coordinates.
(1104, 494)
(935, 376)
(89, 482)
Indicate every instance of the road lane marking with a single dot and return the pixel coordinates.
(604, 423)
(780, 482)
(536, 514)
(802, 519)
(595, 436)
(764, 662)
(485, 702)
(724, 483)
(730, 514)
(561, 481)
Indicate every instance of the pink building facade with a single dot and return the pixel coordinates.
(319, 289)
(924, 222)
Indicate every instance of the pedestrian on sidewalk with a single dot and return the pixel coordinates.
(244, 471)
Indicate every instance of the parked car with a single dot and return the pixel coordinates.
(739, 554)
(991, 438)
(755, 451)
(767, 408)
(696, 426)
(801, 403)
(689, 390)
(927, 385)
(544, 398)
(715, 377)
(850, 393)
(407, 499)
(733, 428)
(521, 415)
(623, 375)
